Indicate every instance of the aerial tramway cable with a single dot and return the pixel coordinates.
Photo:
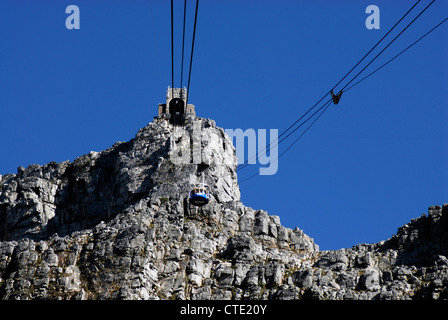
(183, 44)
(172, 45)
(323, 97)
(325, 106)
(373, 48)
(192, 47)
(396, 37)
(396, 56)
(382, 66)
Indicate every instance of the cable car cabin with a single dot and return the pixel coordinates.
(199, 196)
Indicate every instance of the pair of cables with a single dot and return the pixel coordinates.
(183, 44)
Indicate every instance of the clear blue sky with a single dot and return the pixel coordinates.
(368, 166)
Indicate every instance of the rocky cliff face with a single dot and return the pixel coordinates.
(116, 224)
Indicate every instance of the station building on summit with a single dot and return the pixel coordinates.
(176, 109)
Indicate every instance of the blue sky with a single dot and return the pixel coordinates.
(368, 166)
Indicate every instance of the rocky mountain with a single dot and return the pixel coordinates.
(117, 224)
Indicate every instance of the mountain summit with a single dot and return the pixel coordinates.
(118, 224)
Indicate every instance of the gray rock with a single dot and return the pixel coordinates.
(304, 278)
(225, 274)
(335, 260)
(370, 280)
(117, 224)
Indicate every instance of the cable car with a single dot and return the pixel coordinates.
(199, 196)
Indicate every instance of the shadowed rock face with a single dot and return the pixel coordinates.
(117, 224)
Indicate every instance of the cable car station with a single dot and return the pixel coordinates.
(176, 109)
